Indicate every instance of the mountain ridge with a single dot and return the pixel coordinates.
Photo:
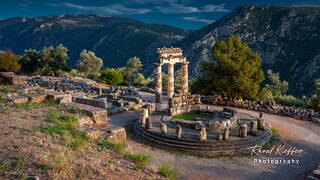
(286, 38)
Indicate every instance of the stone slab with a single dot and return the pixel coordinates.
(97, 115)
(37, 98)
(18, 99)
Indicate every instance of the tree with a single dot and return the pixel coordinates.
(138, 79)
(234, 72)
(133, 66)
(89, 63)
(111, 76)
(315, 100)
(31, 61)
(277, 87)
(50, 60)
(9, 62)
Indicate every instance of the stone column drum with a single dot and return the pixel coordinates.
(254, 127)
(170, 80)
(178, 131)
(226, 134)
(148, 123)
(203, 134)
(158, 87)
(163, 129)
(185, 80)
(243, 132)
(261, 123)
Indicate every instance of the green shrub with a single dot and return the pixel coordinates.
(167, 171)
(111, 77)
(289, 100)
(9, 62)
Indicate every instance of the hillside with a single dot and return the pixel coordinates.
(112, 38)
(286, 38)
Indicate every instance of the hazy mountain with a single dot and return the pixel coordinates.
(286, 38)
(112, 38)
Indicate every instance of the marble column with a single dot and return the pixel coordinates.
(158, 87)
(185, 80)
(170, 80)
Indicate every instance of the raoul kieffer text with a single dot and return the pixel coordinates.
(275, 150)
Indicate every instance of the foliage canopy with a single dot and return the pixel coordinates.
(234, 72)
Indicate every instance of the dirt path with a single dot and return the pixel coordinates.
(297, 133)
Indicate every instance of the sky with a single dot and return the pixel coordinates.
(186, 14)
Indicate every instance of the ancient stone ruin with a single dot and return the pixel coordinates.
(223, 132)
(170, 56)
(96, 101)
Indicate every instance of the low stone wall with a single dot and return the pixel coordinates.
(295, 112)
(183, 103)
(92, 102)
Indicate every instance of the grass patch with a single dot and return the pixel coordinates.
(167, 171)
(22, 176)
(5, 165)
(72, 110)
(15, 127)
(191, 116)
(65, 127)
(5, 89)
(140, 160)
(104, 145)
(27, 105)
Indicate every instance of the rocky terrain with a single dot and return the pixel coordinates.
(285, 38)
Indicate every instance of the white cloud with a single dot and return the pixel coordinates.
(197, 19)
(175, 8)
(115, 9)
(214, 8)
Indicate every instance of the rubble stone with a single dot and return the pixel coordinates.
(18, 99)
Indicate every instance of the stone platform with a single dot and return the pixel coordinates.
(190, 140)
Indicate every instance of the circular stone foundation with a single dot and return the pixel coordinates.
(215, 142)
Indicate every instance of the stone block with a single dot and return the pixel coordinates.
(117, 136)
(219, 137)
(102, 103)
(97, 115)
(37, 98)
(54, 96)
(13, 79)
(92, 132)
(316, 173)
(18, 99)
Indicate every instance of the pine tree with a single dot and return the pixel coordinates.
(234, 72)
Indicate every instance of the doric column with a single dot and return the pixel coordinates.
(170, 80)
(185, 80)
(158, 87)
